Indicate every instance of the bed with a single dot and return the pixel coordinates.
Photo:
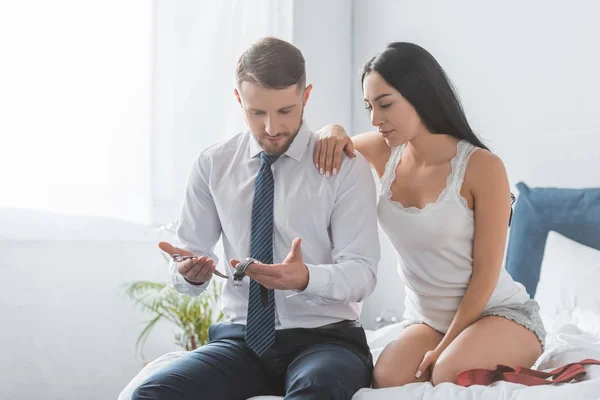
(554, 251)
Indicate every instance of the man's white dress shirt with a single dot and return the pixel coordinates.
(336, 217)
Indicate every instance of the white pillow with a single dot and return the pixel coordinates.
(570, 277)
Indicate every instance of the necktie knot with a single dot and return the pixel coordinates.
(266, 159)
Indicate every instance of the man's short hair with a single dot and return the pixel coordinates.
(272, 63)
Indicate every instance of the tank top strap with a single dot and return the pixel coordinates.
(389, 174)
(459, 165)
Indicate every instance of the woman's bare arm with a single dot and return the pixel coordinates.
(334, 141)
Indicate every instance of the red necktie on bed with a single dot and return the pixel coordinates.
(525, 376)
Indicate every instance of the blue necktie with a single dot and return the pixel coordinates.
(260, 325)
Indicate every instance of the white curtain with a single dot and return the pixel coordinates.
(75, 86)
(104, 104)
(197, 45)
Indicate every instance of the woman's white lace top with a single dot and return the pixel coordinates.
(434, 246)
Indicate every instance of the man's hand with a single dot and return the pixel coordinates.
(292, 274)
(196, 270)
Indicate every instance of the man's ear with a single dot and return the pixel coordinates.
(307, 93)
(237, 95)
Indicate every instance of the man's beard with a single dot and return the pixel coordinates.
(287, 139)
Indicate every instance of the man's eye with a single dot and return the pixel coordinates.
(259, 112)
(368, 107)
(384, 105)
(285, 111)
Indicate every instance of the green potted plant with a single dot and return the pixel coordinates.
(191, 315)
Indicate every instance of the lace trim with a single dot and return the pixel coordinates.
(390, 167)
(457, 170)
(460, 173)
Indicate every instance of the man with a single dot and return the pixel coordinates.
(291, 320)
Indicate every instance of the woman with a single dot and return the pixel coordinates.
(445, 206)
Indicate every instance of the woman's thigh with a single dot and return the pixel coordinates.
(398, 363)
(486, 343)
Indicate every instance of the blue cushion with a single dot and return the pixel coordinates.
(574, 213)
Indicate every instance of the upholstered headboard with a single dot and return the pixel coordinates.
(574, 213)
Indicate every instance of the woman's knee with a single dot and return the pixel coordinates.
(384, 375)
(392, 374)
(397, 364)
(444, 371)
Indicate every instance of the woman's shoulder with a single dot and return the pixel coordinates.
(484, 168)
(375, 149)
(484, 161)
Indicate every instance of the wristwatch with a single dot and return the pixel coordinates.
(240, 272)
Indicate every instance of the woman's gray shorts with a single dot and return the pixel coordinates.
(526, 314)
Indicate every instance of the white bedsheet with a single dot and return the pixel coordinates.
(572, 336)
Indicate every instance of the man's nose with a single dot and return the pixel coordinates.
(271, 126)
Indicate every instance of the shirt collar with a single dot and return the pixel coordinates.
(296, 149)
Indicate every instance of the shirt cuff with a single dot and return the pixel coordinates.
(184, 286)
(318, 280)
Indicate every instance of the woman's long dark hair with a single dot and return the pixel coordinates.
(421, 80)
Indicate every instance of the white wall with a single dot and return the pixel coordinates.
(323, 32)
(75, 104)
(68, 331)
(526, 71)
(75, 101)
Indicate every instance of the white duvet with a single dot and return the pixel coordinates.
(572, 336)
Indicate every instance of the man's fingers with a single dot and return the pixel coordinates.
(296, 251)
(203, 272)
(265, 274)
(202, 259)
(185, 266)
(166, 247)
(197, 270)
(257, 270)
(260, 271)
(209, 267)
(170, 249)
